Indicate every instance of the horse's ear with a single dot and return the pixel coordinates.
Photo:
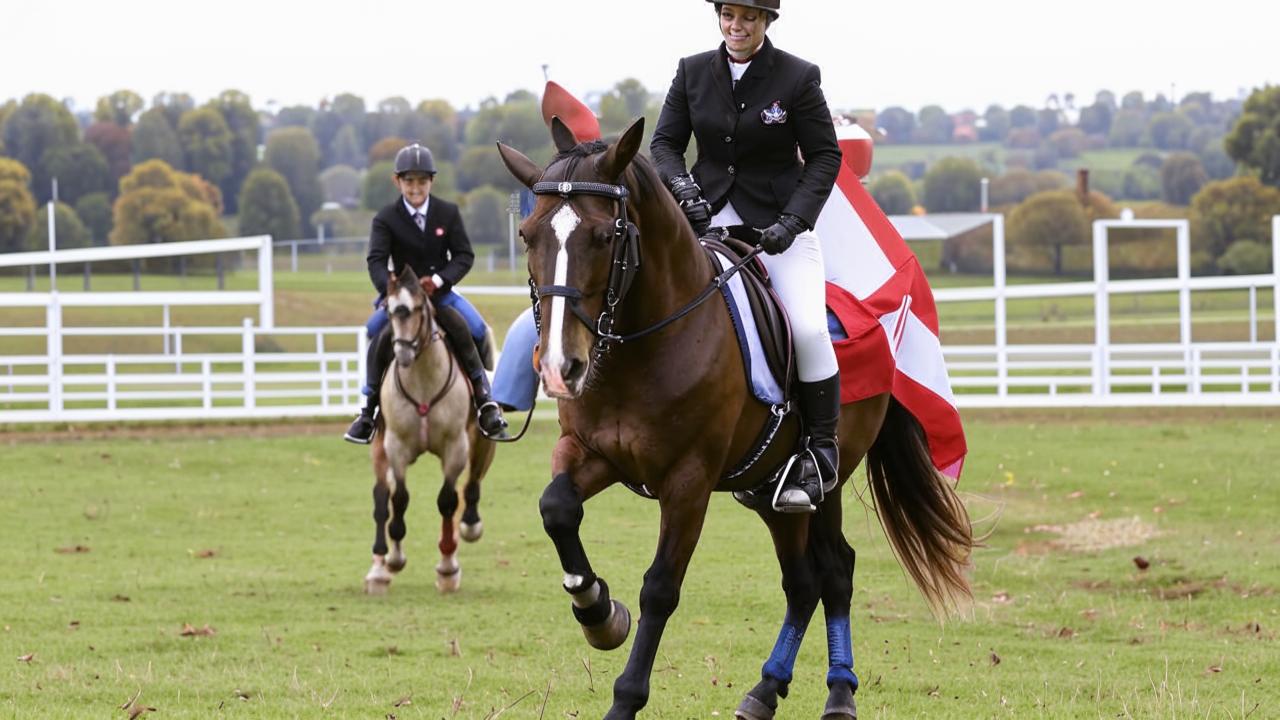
(524, 169)
(408, 277)
(619, 155)
(562, 135)
(393, 282)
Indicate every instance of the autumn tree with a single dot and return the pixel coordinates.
(160, 204)
(1047, 223)
(115, 144)
(341, 184)
(1254, 141)
(242, 121)
(79, 168)
(94, 210)
(70, 231)
(206, 144)
(386, 149)
(155, 139)
(484, 214)
(38, 124)
(1181, 177)
(894, 193)
(952, 184)
(378, 188)
(17, 206)
(267, 207)
(119, 108)
(294, 153)
(899, 124)
(1225, 211)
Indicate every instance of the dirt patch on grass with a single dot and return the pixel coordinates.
(1092, 535)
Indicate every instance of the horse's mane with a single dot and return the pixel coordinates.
(640, 176)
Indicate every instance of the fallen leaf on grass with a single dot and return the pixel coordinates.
(119, 598)
(1075, 495)
(1089, 614)
(26, 658)
(137, 710)
(1141, 562)
(73, 625)
(1213, 669)
(933, 692)
(995, 659)
(1000, 598)
(206, 553)
(1066, 632)
(188, 630)
(242, 694)
(72, 550)
(406, 700)
(129, 702)
(455, 649)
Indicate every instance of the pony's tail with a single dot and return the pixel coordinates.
(922, 515)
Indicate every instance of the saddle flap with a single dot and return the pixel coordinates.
(770, 316)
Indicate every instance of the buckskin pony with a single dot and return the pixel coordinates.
(425, 408)
(652, 393)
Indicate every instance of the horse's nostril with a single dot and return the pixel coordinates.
(574, 369)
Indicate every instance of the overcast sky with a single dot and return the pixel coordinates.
(873, 54)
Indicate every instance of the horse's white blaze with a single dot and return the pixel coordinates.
(563, 223)
(404, 297)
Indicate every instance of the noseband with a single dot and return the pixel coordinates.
(622, 270)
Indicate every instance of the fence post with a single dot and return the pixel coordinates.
(293, 256)
(248, 365)
(1101, 308)
(324, 370)
(53, 345)
(165, 326)
(111, 382)
(266, 283)
(999, 278)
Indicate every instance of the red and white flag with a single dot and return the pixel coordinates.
(878, 291)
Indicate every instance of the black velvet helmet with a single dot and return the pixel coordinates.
(769, 6)
(415, 158)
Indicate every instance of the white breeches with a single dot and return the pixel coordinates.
(800, 279)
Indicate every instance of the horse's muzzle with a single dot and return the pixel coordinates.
(564, 380)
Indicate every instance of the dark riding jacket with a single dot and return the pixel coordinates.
(443, 248)
(748, 135)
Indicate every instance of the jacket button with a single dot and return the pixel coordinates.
(731, 170)
(728, 138)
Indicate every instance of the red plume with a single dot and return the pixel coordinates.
(556, 101)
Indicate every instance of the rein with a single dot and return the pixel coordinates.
(625, 266)
(417, 345)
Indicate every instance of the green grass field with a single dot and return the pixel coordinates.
(114, 540)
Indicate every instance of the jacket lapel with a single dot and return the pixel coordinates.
(720, 75)
(759, 68)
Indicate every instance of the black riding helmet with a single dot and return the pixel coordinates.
(769, 6)
(415, 158)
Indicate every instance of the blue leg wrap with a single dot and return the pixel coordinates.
(840, 652)
(783, 658)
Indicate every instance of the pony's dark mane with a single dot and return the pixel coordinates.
(640, 177)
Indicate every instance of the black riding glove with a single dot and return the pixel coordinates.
(695, 207)
(778, 237)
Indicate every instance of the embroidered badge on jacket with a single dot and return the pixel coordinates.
(774, 114)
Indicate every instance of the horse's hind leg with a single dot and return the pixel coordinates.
(471, 528)
(802, 586)
(378, 579)
(396, 527)
(453, 462)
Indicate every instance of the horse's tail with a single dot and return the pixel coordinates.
(922, 515)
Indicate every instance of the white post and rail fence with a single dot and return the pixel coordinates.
(257, 369)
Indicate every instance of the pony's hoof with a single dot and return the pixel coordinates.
(753, 709)
(376, 587)
(396, 562)
(448, 582)
(611, 633)
(470, 532)
(840, 705)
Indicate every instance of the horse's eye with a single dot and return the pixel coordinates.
(604, 235)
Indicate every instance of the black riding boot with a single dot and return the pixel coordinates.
(812, 474)
(489, 415)
(361, 430)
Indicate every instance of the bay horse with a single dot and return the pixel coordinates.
(425, 408)
(667, 410)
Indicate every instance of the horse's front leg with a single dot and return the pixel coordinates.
(683, 504)
(378, 579)
(801, 583)
(453, 463)
(576, 476)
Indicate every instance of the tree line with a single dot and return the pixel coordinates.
(133, 171)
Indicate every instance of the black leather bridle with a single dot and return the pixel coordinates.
(622, 272)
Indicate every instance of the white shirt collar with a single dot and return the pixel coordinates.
(413, 209)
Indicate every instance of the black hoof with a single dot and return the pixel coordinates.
(611, 633)
(840, 705)
(753, 709)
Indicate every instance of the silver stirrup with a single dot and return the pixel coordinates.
(782, 475)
